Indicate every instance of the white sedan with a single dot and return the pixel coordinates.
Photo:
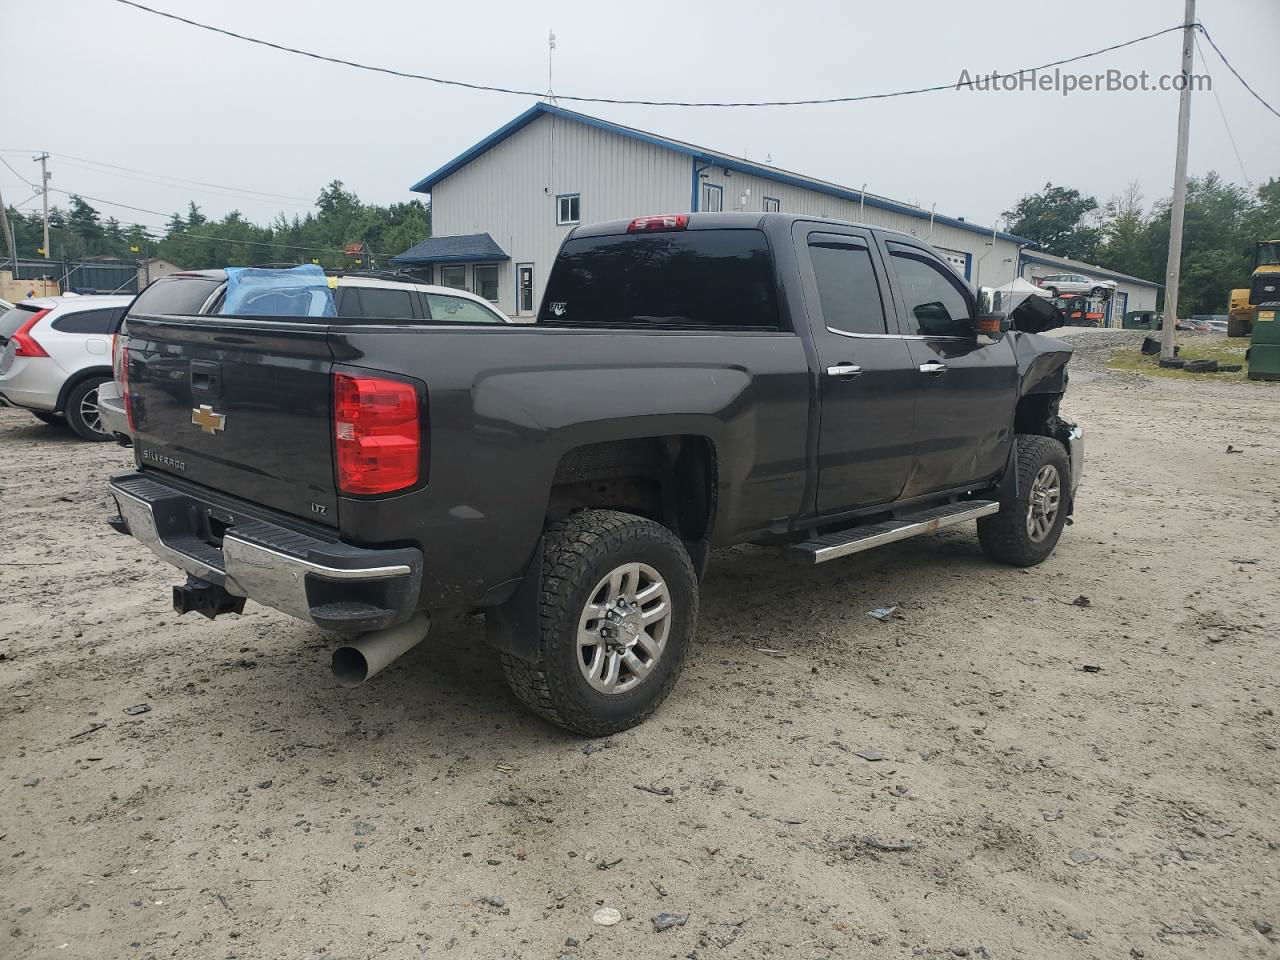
(1059, 283)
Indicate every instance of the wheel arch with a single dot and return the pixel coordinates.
(76, 379)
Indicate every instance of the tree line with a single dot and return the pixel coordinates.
(194, 241)
(1223, 221)
(1222, 224)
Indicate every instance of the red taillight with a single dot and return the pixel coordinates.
(376, 434)
(27, 344)
(666, 221)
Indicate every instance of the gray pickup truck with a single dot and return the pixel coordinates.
(692, 382)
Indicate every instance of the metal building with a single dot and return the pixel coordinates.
(500, 210)
(1131, 293)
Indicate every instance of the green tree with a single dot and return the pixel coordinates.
(1057, 220)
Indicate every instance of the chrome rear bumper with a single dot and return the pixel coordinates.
(325, 582)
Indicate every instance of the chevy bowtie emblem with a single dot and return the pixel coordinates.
(207, 420)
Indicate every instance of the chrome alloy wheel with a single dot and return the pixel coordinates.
(90, 413)
(624, 627)
(1046, 501)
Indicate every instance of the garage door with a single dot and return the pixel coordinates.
(957, 259)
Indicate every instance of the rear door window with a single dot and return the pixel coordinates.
(180, 296)
(847, 286)
(446, 309)
(87, 321)
(380, 303)
(705, 279)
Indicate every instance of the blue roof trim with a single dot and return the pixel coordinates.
(1064, 264)
(463, 248)
(699, 155)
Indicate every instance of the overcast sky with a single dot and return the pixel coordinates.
(96, 80)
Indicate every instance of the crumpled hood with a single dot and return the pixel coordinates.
(1042, 362)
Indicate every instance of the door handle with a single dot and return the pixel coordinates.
(844, 370)
(933, 368)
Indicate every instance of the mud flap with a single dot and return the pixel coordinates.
(515, 626)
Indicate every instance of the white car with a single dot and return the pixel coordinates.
(1060, 283)
(57, 354)
(369, 297)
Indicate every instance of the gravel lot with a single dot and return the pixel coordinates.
(950, 782)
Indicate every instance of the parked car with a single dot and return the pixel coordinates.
(365, 297)
(1060, 283)
(56, 356)
(1214, 326)
(692, 381)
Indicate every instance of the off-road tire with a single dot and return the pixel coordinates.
(75, 418)
(577, 553)
(53, 419)
(1004, 535)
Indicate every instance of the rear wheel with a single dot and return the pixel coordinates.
(618, 607)
(53, 419)
(1026, 530)
(83, 415)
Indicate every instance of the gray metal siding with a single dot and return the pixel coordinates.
(744, 192)
(510, 193)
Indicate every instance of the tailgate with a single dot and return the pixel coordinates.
(241, 406)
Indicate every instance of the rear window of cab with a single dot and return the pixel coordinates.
(702, 279)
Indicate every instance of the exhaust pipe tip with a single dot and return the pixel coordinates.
(355, 662)
(350, 666)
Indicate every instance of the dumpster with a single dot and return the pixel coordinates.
(1142, 320)
(1264, 343)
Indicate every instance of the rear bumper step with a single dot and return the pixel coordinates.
(326, 582)
(832, 546)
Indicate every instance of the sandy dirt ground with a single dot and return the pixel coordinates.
(951, 782)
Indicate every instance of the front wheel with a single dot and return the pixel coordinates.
(1026, 529)
(618, 608)
(83, 415)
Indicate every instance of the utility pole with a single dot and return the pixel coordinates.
(44, 193)
(1174, 270)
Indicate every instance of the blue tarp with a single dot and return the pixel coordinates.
(296, 292)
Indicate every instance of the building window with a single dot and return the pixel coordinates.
(568, 208)
(454, 276)
(771, 205)
(712, 198)
(484, 280)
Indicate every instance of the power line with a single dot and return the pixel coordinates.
(615, 100)
(1223, 113)
(1223, 57)
(224, 194)
(184, 180)
(17, 174)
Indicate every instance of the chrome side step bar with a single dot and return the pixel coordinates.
(832, 546)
